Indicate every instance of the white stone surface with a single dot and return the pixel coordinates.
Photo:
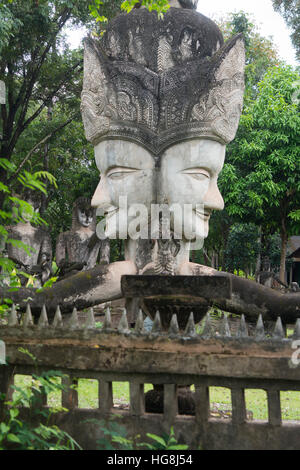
(189, 175)
(126, 171)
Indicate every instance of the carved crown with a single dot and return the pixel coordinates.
(158, 82)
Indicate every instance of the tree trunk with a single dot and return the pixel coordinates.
(258, 259)
(283, 236)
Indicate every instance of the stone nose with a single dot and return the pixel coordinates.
(101, 196)
(213, 199)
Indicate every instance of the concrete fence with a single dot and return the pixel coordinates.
(171, 359)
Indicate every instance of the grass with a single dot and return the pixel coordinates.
(220, 398)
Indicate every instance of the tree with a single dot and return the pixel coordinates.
(261, 179)
(261, 54)
(242, 248)
(40, 71)
(260, 51)
(290, 10)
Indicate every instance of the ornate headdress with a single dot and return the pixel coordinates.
(158, 82)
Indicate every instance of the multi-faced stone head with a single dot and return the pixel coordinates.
(160, 101)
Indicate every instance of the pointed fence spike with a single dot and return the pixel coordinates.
(123, 325)
(190, 329)
(90, 322)
(225, 329)
(156, 327)
(243, 328)
(107, 321)
(173, 328)
(43, 320)
(296, 334)
(57, 321)
(260, 330)
(28, 320)
(13, 318)
(208, 331)
(278, 332)
(139, 324)
(73, 322)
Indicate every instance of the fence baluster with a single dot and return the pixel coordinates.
(238, 405)
(170, 403)
(137, 399)
(105, 396)
(202, 404)
(274, 407)
(69, 396)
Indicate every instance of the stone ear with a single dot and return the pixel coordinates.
(94, 93)
(226, 96)
(230, 59)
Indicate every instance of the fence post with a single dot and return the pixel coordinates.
(238, 405)
(170, 404)
(201, 404)
(105, 396)
(137, 399)
(274, 407)
(69, 396)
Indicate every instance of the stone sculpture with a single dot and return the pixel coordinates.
(160, 101)
(79, 248)
(37, 262)
(160, 115)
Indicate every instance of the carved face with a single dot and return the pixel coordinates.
(186, 182)
(27, 215)
(189, 175)
(85, 216)
(127, 179)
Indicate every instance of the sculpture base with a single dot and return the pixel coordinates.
(176, 294)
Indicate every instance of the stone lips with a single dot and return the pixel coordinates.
(158, 82)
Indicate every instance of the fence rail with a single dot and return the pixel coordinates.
(173, 359)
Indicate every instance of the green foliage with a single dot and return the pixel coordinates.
(101, 13)
(47, 284)
(262, 169)
(166, 442)
(34, 432)
(242, 247)
(115, 435)
(260, 181)
(260, 51)
(115, 438)
(290, 10)
(160, 6)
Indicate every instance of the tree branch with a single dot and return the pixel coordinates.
(41, 142)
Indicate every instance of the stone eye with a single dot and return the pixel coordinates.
(117, 175)
(120, 173)
(198, 174)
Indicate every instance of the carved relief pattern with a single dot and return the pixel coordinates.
(164, 54)
(223, 105)
(148, 76)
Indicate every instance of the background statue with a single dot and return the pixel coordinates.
(38, 261)
(79, 248)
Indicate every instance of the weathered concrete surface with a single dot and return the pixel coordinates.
(85, 289)
(226, 362)
(151, 356)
